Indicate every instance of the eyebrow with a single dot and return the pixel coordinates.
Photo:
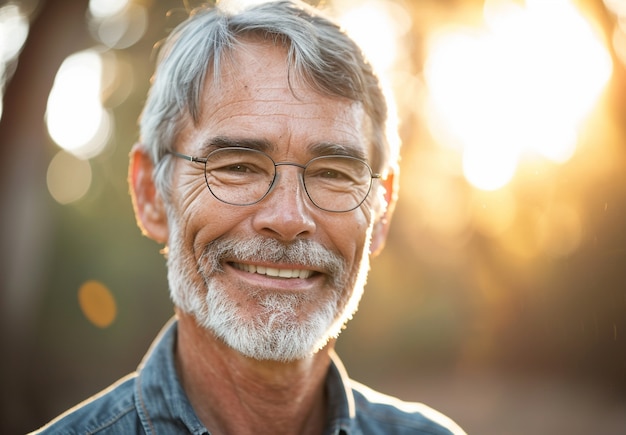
(315, 149)
(219, 142)
(335, 149)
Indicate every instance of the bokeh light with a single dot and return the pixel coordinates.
(389, 19)
(381, 48)
(618, 8)
(120, 28)
(75, 118)
(106, 8)
(97, 303)
(233, 6)
(520, 86)
(13, 32)
(68, 177)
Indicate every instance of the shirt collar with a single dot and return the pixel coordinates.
(341, 408)
(159, 395)
(160, 398)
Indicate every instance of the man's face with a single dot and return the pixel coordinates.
(223, 260)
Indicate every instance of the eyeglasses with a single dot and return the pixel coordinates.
(244, 176)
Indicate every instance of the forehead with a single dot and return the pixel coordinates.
(256, 97)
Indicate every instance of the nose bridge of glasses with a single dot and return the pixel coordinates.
(277, 164)
(277, 175)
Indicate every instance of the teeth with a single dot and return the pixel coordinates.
(271, 271)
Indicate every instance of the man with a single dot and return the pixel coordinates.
(264, 168)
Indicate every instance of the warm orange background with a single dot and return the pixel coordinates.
(503, 331)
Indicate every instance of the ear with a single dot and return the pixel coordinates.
(386, 201)
(147, 202)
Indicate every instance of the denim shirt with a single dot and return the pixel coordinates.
(152, 401)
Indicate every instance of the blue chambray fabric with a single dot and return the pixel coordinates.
(152, 401)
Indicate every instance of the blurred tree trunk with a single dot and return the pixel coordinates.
(57, 29)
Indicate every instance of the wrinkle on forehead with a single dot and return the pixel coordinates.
(254, 86)
(253, 57)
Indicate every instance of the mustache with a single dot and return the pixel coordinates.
(262, 249)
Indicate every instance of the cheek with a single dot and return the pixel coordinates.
(192, 192)
(205, 219)
(192, 201)
(350, 236)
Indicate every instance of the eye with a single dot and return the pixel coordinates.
(330, 173)
(237, 167)
(239, 163)
(335, 170)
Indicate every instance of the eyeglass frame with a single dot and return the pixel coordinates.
(204, 160)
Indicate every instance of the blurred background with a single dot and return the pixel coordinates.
(501, 297)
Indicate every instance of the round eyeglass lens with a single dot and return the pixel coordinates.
(337, 183)
(239, 176)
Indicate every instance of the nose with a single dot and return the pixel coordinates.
(286, 212)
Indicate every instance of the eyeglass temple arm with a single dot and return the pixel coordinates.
(186, 157)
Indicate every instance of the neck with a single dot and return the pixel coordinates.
(234, 394)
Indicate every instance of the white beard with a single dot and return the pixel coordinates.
(284, 331)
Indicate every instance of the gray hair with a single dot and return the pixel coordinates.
(319, 53)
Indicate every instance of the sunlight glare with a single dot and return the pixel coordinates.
(13, 31)
(493, 212)
(358, 18)
(234, 6)
(619, 40)
(75, 118)
(68, 177)
(521, 85)
(560, 230)
(106, 8)
(389, 19)
(489, 166)
(618, 7)
(445, 209)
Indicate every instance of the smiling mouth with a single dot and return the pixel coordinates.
(274, 272)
